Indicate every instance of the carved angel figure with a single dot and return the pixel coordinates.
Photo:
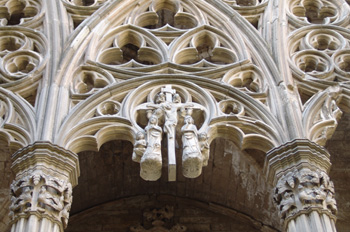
(151, 161)
(192, 160)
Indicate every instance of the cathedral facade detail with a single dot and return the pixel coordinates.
(171, 78)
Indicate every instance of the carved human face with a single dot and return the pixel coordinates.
(153, 120)
(189, 120)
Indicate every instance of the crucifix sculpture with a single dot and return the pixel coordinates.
(148, 151)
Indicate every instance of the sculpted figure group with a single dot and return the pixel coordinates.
(148, 145)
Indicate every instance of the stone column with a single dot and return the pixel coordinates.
(303, 192)
(41, 194)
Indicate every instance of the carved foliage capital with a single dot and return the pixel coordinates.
(41, 194)
(304, 190)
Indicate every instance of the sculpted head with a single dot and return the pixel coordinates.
(153, 120)
(140, 135)
(189, 120)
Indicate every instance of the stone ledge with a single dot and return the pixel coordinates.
(296, 154)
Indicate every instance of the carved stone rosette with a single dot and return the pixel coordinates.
(41, 194)
(303, 193)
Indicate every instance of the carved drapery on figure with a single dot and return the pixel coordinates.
(151, 161)
(192, 158)
(169, 109)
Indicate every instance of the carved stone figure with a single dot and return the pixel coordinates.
(67, 201)
(151, 161)
(204, 145)
(160, 98)
(192, 160)
(170, 119)
(139, 147)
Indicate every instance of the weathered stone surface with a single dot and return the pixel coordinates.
(339, 147)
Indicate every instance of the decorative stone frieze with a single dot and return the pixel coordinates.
(41, 194)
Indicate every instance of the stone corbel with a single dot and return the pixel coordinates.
(41, 194)
(303, 191)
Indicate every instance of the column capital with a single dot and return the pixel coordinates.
(41, 194)
(49, 158)
(303, 191)
(295, 155)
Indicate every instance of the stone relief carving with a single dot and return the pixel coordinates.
(302, 190)
(192, 157)
(41, 193)
(151, 161)
(158, 218)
